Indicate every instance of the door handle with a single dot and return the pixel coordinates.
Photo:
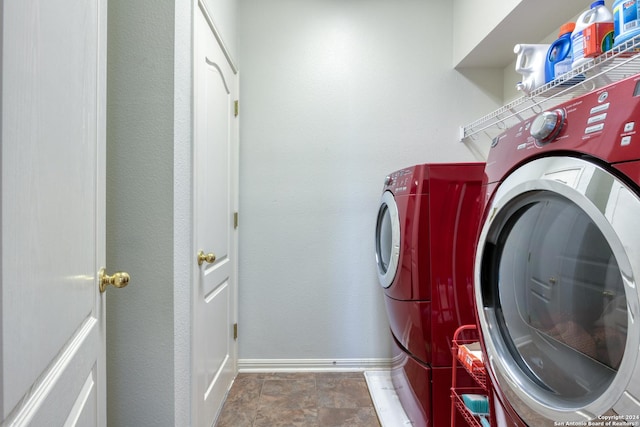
(119, 279)
(209, 258)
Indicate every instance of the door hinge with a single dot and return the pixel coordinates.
(235, 331)
(236, 108)
(235, 220)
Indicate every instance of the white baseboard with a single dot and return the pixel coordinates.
(312, 365)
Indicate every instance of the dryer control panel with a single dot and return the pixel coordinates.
(603, 124)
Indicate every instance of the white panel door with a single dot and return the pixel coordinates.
(214, 294)
(52, 349)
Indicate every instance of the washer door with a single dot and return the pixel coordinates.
(387, 239)
(555, 282)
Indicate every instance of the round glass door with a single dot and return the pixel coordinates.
(387, 239)
(553, 282)
(560, 299)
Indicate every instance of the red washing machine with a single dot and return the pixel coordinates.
(426, 229)
(558, 261)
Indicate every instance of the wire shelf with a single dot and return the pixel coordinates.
(465, 335)
(471, 419)
(614, 65)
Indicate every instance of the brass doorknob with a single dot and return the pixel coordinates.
(119, 280)
(208, 258)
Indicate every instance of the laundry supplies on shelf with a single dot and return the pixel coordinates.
(593, 33)
(626, 20)
(530, 62)
(560, 55)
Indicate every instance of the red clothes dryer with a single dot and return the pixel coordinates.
(558, 262)
(425, 233)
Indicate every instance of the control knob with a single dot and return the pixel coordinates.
(547, 126)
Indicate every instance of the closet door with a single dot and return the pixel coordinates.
(215, 181)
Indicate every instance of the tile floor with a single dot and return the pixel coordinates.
(299, 399)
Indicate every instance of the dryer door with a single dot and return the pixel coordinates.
(387, 239)
(556, 291)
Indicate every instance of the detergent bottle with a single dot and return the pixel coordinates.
(626, 20)
(593, 33)
(530, 62)
(559, 56)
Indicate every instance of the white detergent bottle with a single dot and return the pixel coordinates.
(530, 62)
(598, 12)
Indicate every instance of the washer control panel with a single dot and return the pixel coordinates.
(399, 181)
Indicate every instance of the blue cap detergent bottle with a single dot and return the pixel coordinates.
(559, 56)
